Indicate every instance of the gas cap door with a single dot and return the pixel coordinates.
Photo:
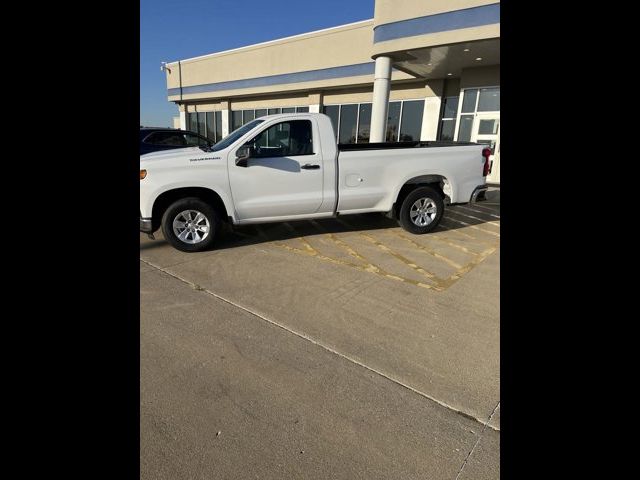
(354, 180)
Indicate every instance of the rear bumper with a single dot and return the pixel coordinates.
(479, 193)
(146, 225)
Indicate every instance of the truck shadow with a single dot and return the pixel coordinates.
(455, 217)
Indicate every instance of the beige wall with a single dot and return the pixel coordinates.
(279, 57)
(405, 91)
(270, 102)
(176, 122)
(387, 11)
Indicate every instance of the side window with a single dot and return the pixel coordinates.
(174, 139)
(194, 140)
(284, 139)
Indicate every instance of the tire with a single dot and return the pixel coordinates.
(421, 210)
(185, 222)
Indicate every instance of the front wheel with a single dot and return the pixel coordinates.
(421, 210)
(190, 224)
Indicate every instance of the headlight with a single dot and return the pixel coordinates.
(143, 174)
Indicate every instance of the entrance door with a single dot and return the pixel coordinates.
(486, 131)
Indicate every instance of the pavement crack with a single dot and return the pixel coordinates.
(333, 351)
(486, 424)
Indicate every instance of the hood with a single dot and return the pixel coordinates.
(176, 154)
(173, 152)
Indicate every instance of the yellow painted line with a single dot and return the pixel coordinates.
(474, 227)
(448, 241)
(467, 268)
(403, 259)
(478, 211)
(377, 271)
(439, 284)
(490, 222)
(485, 208)
(429, 250)
(459, 231)
(367, 267)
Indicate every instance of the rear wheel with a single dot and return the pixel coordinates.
(421, 210)
(190, 224)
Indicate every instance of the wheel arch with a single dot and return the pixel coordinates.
(166, 198)
(439, 182)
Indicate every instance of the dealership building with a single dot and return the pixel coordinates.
(419, 70)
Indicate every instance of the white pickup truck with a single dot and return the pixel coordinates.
(289, 167)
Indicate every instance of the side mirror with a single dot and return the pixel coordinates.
(243, 154)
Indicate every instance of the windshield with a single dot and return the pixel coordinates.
(236, 134)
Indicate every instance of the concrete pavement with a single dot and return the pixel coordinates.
(373, 352)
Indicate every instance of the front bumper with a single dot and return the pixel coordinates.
(146, 225)
(479, 193)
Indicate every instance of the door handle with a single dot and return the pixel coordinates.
(308, 166)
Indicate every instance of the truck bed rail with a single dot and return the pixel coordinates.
(344, 147)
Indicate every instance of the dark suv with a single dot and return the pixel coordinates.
(154, 139)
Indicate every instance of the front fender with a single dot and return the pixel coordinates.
(150, 193)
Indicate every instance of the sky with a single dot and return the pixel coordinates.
(173, 30)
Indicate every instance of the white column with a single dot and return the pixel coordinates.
(434, 91)
(226, 118)
(430, 118)
(315, 102)
(381, 88)
(183, 120)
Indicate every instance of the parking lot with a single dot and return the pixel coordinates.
(342, 348)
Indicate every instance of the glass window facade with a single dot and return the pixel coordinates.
(202, 121)
(192, 122)
(218, 126)
(464, 133)
(489, 100)
(333, 112)
(411, 120)
(393, 122)
(242, 117)
(207, 124)
(449, 116)
(364, 123)
(447, 129)
(236, 119)
(469, 100)
(352, 122)
(348, 123)
(248, 115)
(211, 126)
(475, 100)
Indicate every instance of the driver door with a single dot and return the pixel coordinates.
(283, 175)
